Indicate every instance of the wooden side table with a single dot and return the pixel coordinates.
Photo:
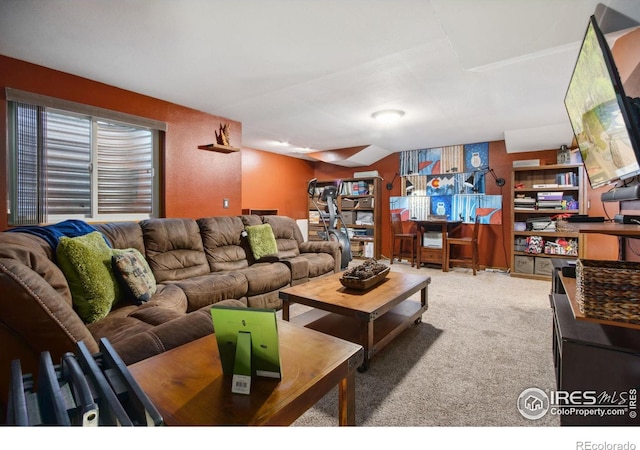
(188, 387)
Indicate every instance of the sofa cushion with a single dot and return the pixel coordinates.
(319, 263)
(151, 341)
(270, 300)
(262, 241)
(134, 275)
(223, 243)
(213, 288)
(174, 249)
(86, 263)
(299, 268)
(123, 234)
(287, 234)
(266, 277)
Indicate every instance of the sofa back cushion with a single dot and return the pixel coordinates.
(223, 243)
(123, 234)
(287, 233)
(174, 249)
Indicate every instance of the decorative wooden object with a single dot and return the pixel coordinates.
(222, 137)
(222, 141)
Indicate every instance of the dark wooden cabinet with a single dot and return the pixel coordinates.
(594, 357)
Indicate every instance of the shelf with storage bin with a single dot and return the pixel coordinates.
(354, 206)
(533, 248)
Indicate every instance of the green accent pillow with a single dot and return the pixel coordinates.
(262, 241)
(134, 274)
(86, 264)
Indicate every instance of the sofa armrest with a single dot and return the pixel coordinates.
(333, 248)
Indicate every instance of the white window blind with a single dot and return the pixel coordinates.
(69, 165)
(125, 169)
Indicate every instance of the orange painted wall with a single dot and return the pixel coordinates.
(272, 181)
(195, 180)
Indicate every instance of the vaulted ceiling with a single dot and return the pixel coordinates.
(311, 72)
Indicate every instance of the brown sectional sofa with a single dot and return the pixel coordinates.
(196, 263)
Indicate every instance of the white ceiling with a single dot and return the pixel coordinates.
(311, 72)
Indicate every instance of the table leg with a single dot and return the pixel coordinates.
(347, 400)
(420, 231)
(366, 340)
(285, 310)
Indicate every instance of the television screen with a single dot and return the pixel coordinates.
(600, 113)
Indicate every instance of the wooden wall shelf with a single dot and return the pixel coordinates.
(219, 148)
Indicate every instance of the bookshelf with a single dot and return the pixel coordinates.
(360, 207)
(540, 195)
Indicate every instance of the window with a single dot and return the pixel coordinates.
(70, 164)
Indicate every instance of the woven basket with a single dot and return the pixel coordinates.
(609, 290)
(362, 285)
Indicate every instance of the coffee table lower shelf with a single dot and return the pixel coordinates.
(355, 329)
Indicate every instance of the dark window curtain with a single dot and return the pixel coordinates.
(29, 201)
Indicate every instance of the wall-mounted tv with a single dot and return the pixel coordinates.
(601, 115)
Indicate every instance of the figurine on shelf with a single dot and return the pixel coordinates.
(222, 137)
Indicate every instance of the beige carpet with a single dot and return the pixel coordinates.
(483, 340)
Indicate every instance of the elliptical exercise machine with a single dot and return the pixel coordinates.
(329, 217)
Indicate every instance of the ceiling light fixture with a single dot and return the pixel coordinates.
(387, 116)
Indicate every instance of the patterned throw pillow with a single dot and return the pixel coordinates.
(86, 264)
(135, 275)
(262, 241)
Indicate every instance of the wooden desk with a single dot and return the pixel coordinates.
(187, 386)
(434, 255)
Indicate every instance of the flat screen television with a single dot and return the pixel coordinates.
(602, 116)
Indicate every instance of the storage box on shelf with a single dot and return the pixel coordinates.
(360, 207)
(541, 196)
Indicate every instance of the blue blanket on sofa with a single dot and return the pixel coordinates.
(53, 233)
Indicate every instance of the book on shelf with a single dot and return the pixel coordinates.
(550, 196)
(356, 188)
(524, 202)
(567, 179)
(545, 185)
(550, 204)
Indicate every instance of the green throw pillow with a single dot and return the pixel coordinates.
(86, 264)
(262, 240)
(134, 274)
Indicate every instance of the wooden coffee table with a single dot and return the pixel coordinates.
(371, 318)
(187, 386)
